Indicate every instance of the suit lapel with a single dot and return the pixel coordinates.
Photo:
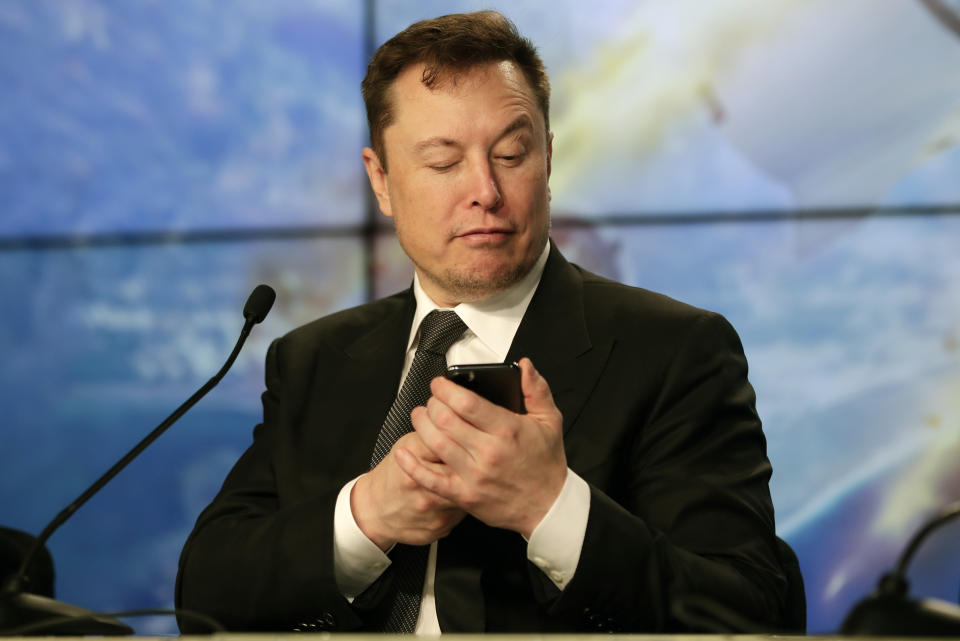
(367, 383)
(554, 335)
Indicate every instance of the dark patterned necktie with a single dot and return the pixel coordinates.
(438, 331)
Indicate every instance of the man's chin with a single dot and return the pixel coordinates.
(480, 282)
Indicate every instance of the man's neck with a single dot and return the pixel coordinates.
(495, 318)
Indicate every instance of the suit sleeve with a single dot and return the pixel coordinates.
(255, 561)
(690, 513)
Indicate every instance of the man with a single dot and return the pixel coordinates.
(636, 479)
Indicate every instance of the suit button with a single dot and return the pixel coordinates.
(327, 621)
(592, 618)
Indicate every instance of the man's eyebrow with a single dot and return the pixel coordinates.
(520, 122)
(431, 143)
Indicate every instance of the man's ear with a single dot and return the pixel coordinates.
(378, 180)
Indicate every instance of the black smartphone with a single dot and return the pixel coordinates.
(497, 382)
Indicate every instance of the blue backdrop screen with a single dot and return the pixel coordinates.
(792, 165)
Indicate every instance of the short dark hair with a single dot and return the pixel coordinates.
(451, 43)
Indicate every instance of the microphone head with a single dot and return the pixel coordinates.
(259, 303)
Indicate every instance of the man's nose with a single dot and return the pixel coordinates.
(485, 191)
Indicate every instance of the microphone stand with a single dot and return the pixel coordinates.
(18, 607)
(890, 612)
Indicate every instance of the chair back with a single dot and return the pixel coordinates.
(796, 598)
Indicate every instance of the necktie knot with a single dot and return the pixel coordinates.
(439, 330)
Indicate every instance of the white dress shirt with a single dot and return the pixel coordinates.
(555, 544)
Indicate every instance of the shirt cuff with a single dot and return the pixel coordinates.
(555, 544)
(357, 561)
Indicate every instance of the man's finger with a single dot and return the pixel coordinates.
(447, 443)
(430, 476)
(459, 430)
(412, 442)
(536, 390)
(475, 410)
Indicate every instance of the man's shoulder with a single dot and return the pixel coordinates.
(346, 326)
(614, 300)
(645, 319)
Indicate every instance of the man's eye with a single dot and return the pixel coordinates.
(443, 167)
(511, 159)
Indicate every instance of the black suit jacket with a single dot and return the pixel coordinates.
(659, 419)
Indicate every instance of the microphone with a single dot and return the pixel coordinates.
(889, 612)
(258, 304)
(18, 607)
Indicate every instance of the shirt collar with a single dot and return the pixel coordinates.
(493, 320)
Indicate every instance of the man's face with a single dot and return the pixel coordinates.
(467, 185)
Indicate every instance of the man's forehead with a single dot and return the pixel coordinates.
(409, 89)
(439, 78)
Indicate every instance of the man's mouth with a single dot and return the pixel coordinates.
(485, 235)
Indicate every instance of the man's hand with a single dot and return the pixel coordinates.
(390, 507)
(505, 469)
